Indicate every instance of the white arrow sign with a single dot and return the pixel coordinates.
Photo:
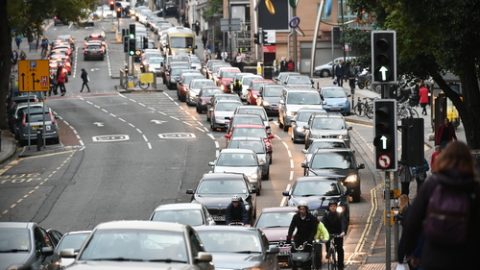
(384, 142)
(98, 124)
(158, 122)
(384, 70)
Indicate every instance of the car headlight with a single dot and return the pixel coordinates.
(247, 207)
(353, 178)
(266, 103)
(340, 209)
(253, 176)
(222, 87)
(299, 129)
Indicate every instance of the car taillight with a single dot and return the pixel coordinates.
(24, 120)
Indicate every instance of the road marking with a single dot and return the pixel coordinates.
(130, 124)
(186, 123)
(289, 153)
(141, 104)
(105, 111)
(109, 65)
(74, 72)
(158, 122)
(291, 176)
(177, 135)
(111, 138)
(113, 115)
(96, 106)
(139, 131)
(98, 124)
(211, 136)
(217, 145)
(284, 199)
(173, 117)
(162, 113)
(291, 163)
(200, 129)
(121, 119)
(145, 138)
(149, 146)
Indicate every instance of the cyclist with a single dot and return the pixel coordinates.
(237, 87)
(236, 211)
(306, 225)
(336, 224)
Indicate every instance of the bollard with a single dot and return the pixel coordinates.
(39, 140)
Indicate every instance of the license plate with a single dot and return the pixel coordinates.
(284, 251)
(219, 218)
(36, 127)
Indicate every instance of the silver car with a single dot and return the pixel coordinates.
(142, 245)
(293, 100)
(193, 214)
(257, 110)
(194, 89)
(258, 146)
(38, 119)
(300, 120)
(71, 240)
(240, 161)
(222, 112)
(327, 126)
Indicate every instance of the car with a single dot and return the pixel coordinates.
(326, 126)
(298, 80)
(25, 245)
(192, 214)
(236, 247)
(93, 50)
(205, 97)
(274, 223)
(195, 62)
(153, 64)
(183, 83)
(58, 20)
(292, 100)
(269, 97)
(340, 163)
(216, 69)
(258, 131)
(240, 119)
(239, 76)
(326, 143)
(225, 78)
(222, 112)
(317, 192)
(254, 90)
(173, 75)
(326, 70)
(142, 245)
(215, 191)
(258, 146)
(257, 110)
(36, 120)
(16, 109)
(335, 99)
(194, 89)
(282, 76)
(243, 161)
(245, 82)
(71, 240)
(208, 66)
(216, 98)
(300, 120)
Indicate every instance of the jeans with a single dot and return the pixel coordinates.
(340, 251)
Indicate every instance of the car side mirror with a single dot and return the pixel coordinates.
(361, 166)
(304, 165)
(285, 193)
(47, 251)
(67, 253)
(305, 151)
(211, 163)
(190, 191)
(203, 257)
(253, 190)
(273, 250)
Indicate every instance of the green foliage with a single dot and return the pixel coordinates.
(360, 41)
(214, 8)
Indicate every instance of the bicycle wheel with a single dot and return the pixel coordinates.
(332, 261)
(369, 111)
(143, 85)
(358, 109)
(413, 113)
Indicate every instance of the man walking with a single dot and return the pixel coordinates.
(339, 73)
(85, 80)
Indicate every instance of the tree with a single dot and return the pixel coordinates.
(26, 17)
(434, 37)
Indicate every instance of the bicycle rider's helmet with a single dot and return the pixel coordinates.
(302, 204)
(236, 198)
(332, 201)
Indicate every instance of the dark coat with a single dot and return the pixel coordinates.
(236, 214)
(443, 257)
(339, 70)
(335, 223)
(84, 76)
(306, 228)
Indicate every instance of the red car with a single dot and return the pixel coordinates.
(183, 82)
(254, 90)
(225, 77)
(248, 130)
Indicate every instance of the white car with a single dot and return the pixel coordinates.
(222, 112)
(325, 70)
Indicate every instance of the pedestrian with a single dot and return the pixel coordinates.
(23, 55)
(85, 80)
(290, 65)
(405, 175)
(283, 64)
(44, 46)
(447, 212)
(237, 87)
(18, 41)
(30, 41)
(218, 55)
(339, 73)
(423, 98)
(61, 80)
(186, 24)
(224, 56)
(197, 27)
(14, 57)
(420, 173)
(351, 75)
(204, 40)
(445, 133)
(401, 218)
(239, 59)
(434, 156)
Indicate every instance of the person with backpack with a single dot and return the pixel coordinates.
(446, 213)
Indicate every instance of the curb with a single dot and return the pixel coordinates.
(12, 149)
(26, 152)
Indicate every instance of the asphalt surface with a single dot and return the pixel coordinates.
(126, 153)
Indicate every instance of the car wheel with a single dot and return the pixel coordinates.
(285, 128)
(325, 73)
(267, 175)
(356, 195)
(212, 124)
(271, 158)
(198, 110)
(258, 192)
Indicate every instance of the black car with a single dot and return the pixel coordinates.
(269, 97)
(25, 245)
(215, 191)
(338, 163)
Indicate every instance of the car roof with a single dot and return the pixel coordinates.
(250, 107)
(321, 178)
(334, 150)
(249, 126)
(20, 225)
(220, 176)
(236, 151)
(178, 206)
(327, 140)
(246, 115)
(279, 209)
(244, 138)
(228, 101)
(329, 115)
(141, 225)
(77, 232)
(227, 228)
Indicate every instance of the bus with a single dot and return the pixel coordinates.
(180, 40)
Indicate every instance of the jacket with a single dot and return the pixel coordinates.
(423, 95)
(306, 228)
(61, 76)
(339, 70)
(236, 214)
(445, 134)
(84, 76)
(443, 257)
(322, 233)
(335, 223)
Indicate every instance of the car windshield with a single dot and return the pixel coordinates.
(328, 123)
(188, 79)
(192, 217)
(303, 116)
(255, 120)
(272, 91)
(210, 92)
(331, 160)
(247, 80)
(294, 79)
(135, 245)
(155, 60)
(178, 71)
(228, 74)
(333, 93)
(250, 132)
(257, 85)
(227, 106)
(230, 241)
(228, 97)
(253, 110)
(181, 42)
(237, 160)
(275, 219)
(324, 145)
(14, 240)
(74, 241)
(316, 188)
(219, 186)
(255, 146)
(38, 117)
(202, 83)
(303, 98)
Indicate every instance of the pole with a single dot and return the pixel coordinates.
(396, 227)
(315, 37)
(341, 32)
(230, 39)
(295, 53)
(28, 116)
(388, 236)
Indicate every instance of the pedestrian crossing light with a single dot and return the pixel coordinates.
(264, 37)
(384, 61)
(385, 138)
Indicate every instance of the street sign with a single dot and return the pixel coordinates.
(33, 76)
(271, 36)
(234, 23)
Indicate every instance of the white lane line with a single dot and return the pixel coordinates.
(173, 117)
(162, 113)
(122, 95)
(200, 123)
(89, 102)
(194, 118)
(139, 131)
(74, 73)
(113, 115)
(141, 104)
(206, 129)
(105, 111)
(149, 146)
(291, 176)
(176, 104)
(291, 163)
(217, 153)
(217, 145)
(186, 123)
(132, 100)
(151, 109)
(145, 138)
(200, 129)
(289, 153)
(96, 106)
(109, 65)
(130, 124)
(181, 108)
(121, 119)
(211, 136)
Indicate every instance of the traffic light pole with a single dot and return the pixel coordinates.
(295, 54)
(388, 229)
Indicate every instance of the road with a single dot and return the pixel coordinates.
(124, 154)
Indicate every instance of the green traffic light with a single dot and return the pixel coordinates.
(131, 53)
(132, 36)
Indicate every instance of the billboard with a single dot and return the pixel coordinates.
(277, 21)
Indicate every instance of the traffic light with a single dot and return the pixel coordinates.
(412, 141)
(145, 43)
(132, 42)
(385, 139)
(119, 12)
(131, 29)
(384, 60)
(125, 43)
(112, 5)
(264, 37)
(256, 38)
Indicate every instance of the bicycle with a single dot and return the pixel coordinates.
(364, 107)
(332, 263)
(304, 260)
(404, 110)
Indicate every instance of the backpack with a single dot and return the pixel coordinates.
(449, 216)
